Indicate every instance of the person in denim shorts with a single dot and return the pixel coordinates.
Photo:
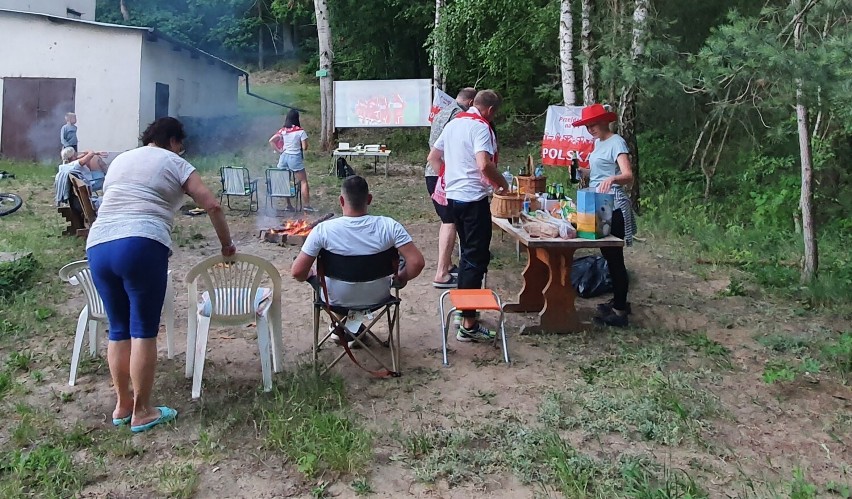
(291, 141)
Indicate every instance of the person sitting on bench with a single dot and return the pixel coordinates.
(87, 166)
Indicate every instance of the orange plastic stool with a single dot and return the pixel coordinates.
(467, 300)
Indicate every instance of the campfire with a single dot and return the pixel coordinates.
(291, 232)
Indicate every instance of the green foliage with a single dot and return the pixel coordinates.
(218, 26)
(503, 44)
(838, 355)
(16, 276)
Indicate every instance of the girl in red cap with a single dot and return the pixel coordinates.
(610, 169)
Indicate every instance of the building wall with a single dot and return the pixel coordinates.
(199, 87)
(104, 61)
(53, 7)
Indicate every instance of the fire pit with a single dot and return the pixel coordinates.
(292, 232)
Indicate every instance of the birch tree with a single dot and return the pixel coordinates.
(437, 73)
(326, 57)
(586, 43)
(566, 53)
(627, 101)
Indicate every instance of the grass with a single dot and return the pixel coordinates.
(793, 355)
(309, 421)
(636, 392)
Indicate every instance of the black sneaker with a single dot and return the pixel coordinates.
(454, 270)
(612, 319)
(605, 309)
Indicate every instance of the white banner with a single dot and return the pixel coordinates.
(382, 103)
(562, 139)
(439, 102)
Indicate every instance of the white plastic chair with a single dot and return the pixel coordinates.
(94, 314)
(232, 298)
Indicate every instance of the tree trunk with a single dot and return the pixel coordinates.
(260, 35)
(437, 74)
(586, 43)
(326, 56)
(566, 53)
(811, 262)
(627, 102)
(125, 14)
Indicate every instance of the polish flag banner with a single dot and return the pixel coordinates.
(562, 140)
(439, 102)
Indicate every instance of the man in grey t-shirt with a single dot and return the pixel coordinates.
(444, 276)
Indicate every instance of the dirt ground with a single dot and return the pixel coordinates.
(762, 433)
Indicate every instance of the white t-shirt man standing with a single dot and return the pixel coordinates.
(468, 149)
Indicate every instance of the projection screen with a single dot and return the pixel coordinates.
(382, 103)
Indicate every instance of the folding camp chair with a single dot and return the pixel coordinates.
(355, 269)
(234, 296)
(236, 181)
(282, 183)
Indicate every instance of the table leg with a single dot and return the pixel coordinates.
(531, 298)
(387, 163)
(559, 314)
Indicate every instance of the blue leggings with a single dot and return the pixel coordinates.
(131, 275)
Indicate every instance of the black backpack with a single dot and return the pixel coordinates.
(343, 168)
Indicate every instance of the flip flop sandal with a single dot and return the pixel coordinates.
(166, 414)
(121, 421)
(450, 283)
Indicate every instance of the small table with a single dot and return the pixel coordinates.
(547, 285)
(348, 153)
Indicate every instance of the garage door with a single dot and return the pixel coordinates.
(33, 113)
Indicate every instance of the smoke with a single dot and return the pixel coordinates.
(43, 133)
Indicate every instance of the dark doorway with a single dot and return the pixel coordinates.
(161, 101)
(33, 113)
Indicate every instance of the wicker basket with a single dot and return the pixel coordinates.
(532, 185)
(507, 205)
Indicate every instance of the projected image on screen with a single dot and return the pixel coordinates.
(382, 103)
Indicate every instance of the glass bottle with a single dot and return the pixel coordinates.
(575, 169)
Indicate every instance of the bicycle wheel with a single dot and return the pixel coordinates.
(9, 203)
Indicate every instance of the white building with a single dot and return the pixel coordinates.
(117, 79)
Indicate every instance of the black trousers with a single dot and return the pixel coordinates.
(473, 226)
(615, 261)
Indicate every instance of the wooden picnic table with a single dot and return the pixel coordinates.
(547, 285)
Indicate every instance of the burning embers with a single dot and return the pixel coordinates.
(292, 232)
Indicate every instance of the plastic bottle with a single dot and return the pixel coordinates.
(539, 171)
(527, 204)
(509, 178)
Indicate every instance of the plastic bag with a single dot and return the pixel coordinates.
(590, 276)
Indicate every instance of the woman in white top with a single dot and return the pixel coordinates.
(128, 249)
(291, 141)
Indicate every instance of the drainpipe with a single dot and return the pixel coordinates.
(249, 92)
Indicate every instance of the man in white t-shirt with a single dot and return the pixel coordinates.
(468, 149)
(358, 234)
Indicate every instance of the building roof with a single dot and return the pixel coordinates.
(151, 34)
